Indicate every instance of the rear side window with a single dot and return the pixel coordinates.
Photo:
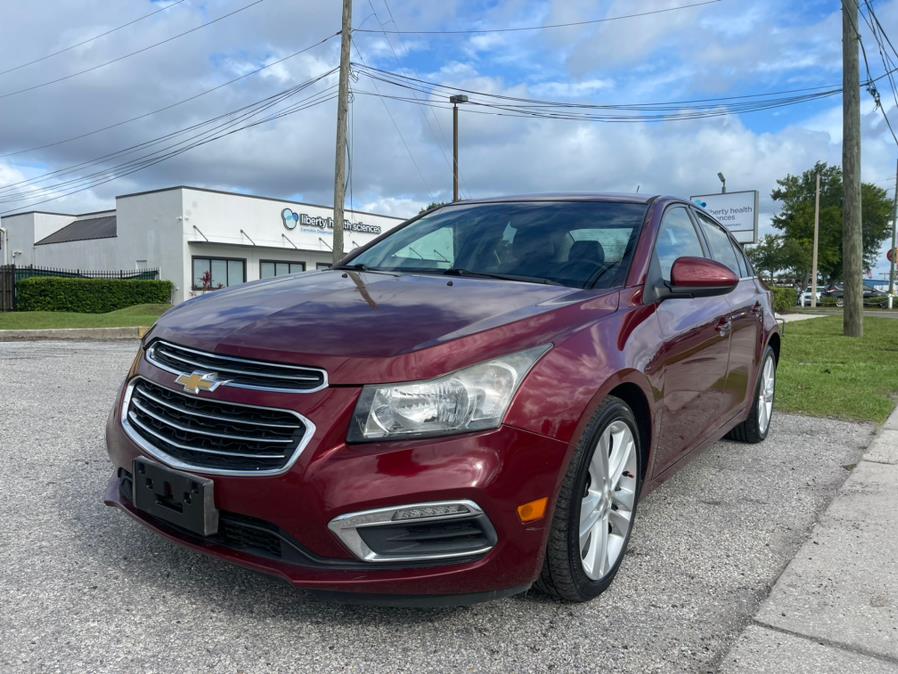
(676, 238)
(719, 243)
(740, 259)
(744, 264)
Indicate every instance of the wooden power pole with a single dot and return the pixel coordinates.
(816, 237)
(852, 246)
(342, 114)
(894, 228)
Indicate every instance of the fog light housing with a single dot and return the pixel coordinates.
(417, 532)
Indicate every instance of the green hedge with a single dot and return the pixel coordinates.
(89, 296)
(784, 300)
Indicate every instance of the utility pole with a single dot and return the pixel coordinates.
(816, 236)
(342, 114)
(852, 247)
(894, 226)
(455, 100)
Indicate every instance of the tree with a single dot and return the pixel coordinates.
(432, 205)
(766, 255)
(796, 220)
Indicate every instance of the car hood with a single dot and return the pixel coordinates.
(373, 326)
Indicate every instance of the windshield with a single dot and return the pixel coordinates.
(582, 244)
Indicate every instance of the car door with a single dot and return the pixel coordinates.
(695, 345)
(745, 315)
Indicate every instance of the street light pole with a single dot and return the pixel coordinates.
(455, 100)
(723, 182)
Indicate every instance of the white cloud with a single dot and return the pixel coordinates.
(720, 49)
(571, 89)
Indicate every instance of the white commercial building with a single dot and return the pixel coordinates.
(199, 239)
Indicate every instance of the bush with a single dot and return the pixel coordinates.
(90, 296)
(784, 299)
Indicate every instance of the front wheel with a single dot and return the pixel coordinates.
(754, 429)
(595, 508)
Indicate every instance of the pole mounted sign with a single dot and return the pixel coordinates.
(737, 211)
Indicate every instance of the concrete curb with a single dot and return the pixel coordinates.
(834, 605)
(89, 334)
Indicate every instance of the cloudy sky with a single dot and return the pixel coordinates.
(401, 152)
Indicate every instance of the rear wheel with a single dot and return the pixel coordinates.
(595, 508)
(754, 429)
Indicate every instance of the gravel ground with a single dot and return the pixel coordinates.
(84, 588)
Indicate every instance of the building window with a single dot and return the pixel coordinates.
(272, 268)
(322, 265)
(211, 273)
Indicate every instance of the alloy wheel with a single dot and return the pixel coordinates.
(765, 394)
(606, 511)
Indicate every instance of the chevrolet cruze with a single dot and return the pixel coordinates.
(468, 406)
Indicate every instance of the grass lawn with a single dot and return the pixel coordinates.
(825, 374)
(140, 314)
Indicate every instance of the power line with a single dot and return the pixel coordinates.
(171, 105)
(712, 101)
(171, 144)
(544, 27)
(871, 83)
(878, 36)
(424, 111)
(90, 39)
(10, 188)
(628, 112)
(395, 126)
(129, 54)
(172, 154)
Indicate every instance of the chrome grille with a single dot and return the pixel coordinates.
(212, 436)
(239, 372)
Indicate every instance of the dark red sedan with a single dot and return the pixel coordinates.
(470, 405)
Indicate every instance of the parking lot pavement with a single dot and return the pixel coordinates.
(84, 588)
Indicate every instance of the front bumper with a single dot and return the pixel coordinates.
(498, 470)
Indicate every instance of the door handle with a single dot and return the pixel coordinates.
(757, 309)
(724, 327)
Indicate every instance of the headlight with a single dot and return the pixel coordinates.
(472, 399)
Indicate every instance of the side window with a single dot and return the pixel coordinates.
(744, 265)
(740, 259)
(719, 243)
(676, 238)
(435, 249)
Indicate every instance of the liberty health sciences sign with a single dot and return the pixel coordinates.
(737, 211)
(291, 218)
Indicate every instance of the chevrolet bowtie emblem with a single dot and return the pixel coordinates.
(200, 381)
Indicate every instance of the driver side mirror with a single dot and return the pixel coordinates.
(699, 277)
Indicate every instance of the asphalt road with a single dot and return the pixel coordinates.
(84, 588)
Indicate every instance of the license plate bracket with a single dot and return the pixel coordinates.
(182, 499)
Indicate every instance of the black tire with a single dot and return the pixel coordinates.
(750, 430)
(562, 575)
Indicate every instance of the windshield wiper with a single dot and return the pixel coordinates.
(459, 271)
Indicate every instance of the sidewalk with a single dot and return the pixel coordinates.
(81, 334)
(792, 318)
(835, 607)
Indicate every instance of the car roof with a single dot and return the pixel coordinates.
(622, 197)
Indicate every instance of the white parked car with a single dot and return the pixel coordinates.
(804, 298)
